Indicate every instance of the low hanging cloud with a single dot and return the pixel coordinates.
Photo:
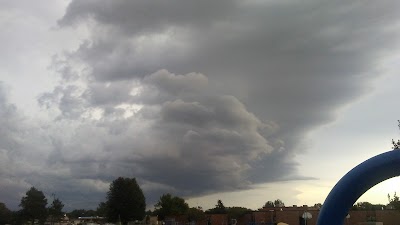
(193, 97)
(171, 132)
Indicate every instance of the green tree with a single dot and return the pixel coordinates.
(367, 206)
(16, 217)
(237, 212)
(219, 208)
(269, 204)
(318, 205)
(276, 203)
(169, 205)
(279, 203)
(102, 209)
(196, 214)
(125, 201)
(5, 214)
(394, 202)
(55, 210)
(34, 206)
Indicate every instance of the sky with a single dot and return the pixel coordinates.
(243, 101)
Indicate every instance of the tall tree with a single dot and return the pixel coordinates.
(219, 208)
(279, 203)
(5, 214)
(196, 214)
(237, 212)
(34, 206)
(125, 201)
(169, 205)
(276, 203)
(55, 210)
(269, 204)
(102, 209)
(394, 202)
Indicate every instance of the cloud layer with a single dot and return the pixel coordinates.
(192, 97)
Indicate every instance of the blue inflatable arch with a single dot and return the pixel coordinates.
(355, 183)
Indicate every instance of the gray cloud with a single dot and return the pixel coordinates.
(198, 97)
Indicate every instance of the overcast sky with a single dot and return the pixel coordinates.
(243, 101)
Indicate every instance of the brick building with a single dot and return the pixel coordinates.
(293, 216)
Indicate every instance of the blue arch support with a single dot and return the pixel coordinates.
(355, 183)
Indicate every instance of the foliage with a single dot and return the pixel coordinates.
(34, 206)
(318, 205)
(269, 204)
(101, 209)
(367, 206)
(279, 203)
(276, 203)
(196, 214)
(394, 202)
(125, 201)
(55, 209)
(5, 214)
(169, 205)
(219, 209)
(237, 212)
(16, 218)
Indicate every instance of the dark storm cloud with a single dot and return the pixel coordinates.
(292, 64)
(195, 97)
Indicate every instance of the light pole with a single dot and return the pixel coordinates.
(306, 215)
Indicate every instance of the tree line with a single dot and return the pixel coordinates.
(126, 202)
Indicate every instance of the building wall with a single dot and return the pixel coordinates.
(292, 215)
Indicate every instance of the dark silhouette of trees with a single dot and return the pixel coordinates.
(196, 214)
(34, 206)
(236, 212)
(219, 208)
(394, 202)
(366, 206)
(169, 205)
(5, 214)
(276, 203)
(125, 201)
(269, 204)
(55, 210)
(102, 209)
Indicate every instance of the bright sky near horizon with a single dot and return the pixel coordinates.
(243, 101)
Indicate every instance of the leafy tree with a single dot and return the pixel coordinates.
(279, 203)
(367, 206)
(196, 214)
(55, 210)
(125, 201)
(269, 204)
(16, 217)
(219, 208)
(394, 202)
(34, 206)
(169, 205)
(318, 205)
(102, 209)
(5, 214)
(276, 203)
(237, 212)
